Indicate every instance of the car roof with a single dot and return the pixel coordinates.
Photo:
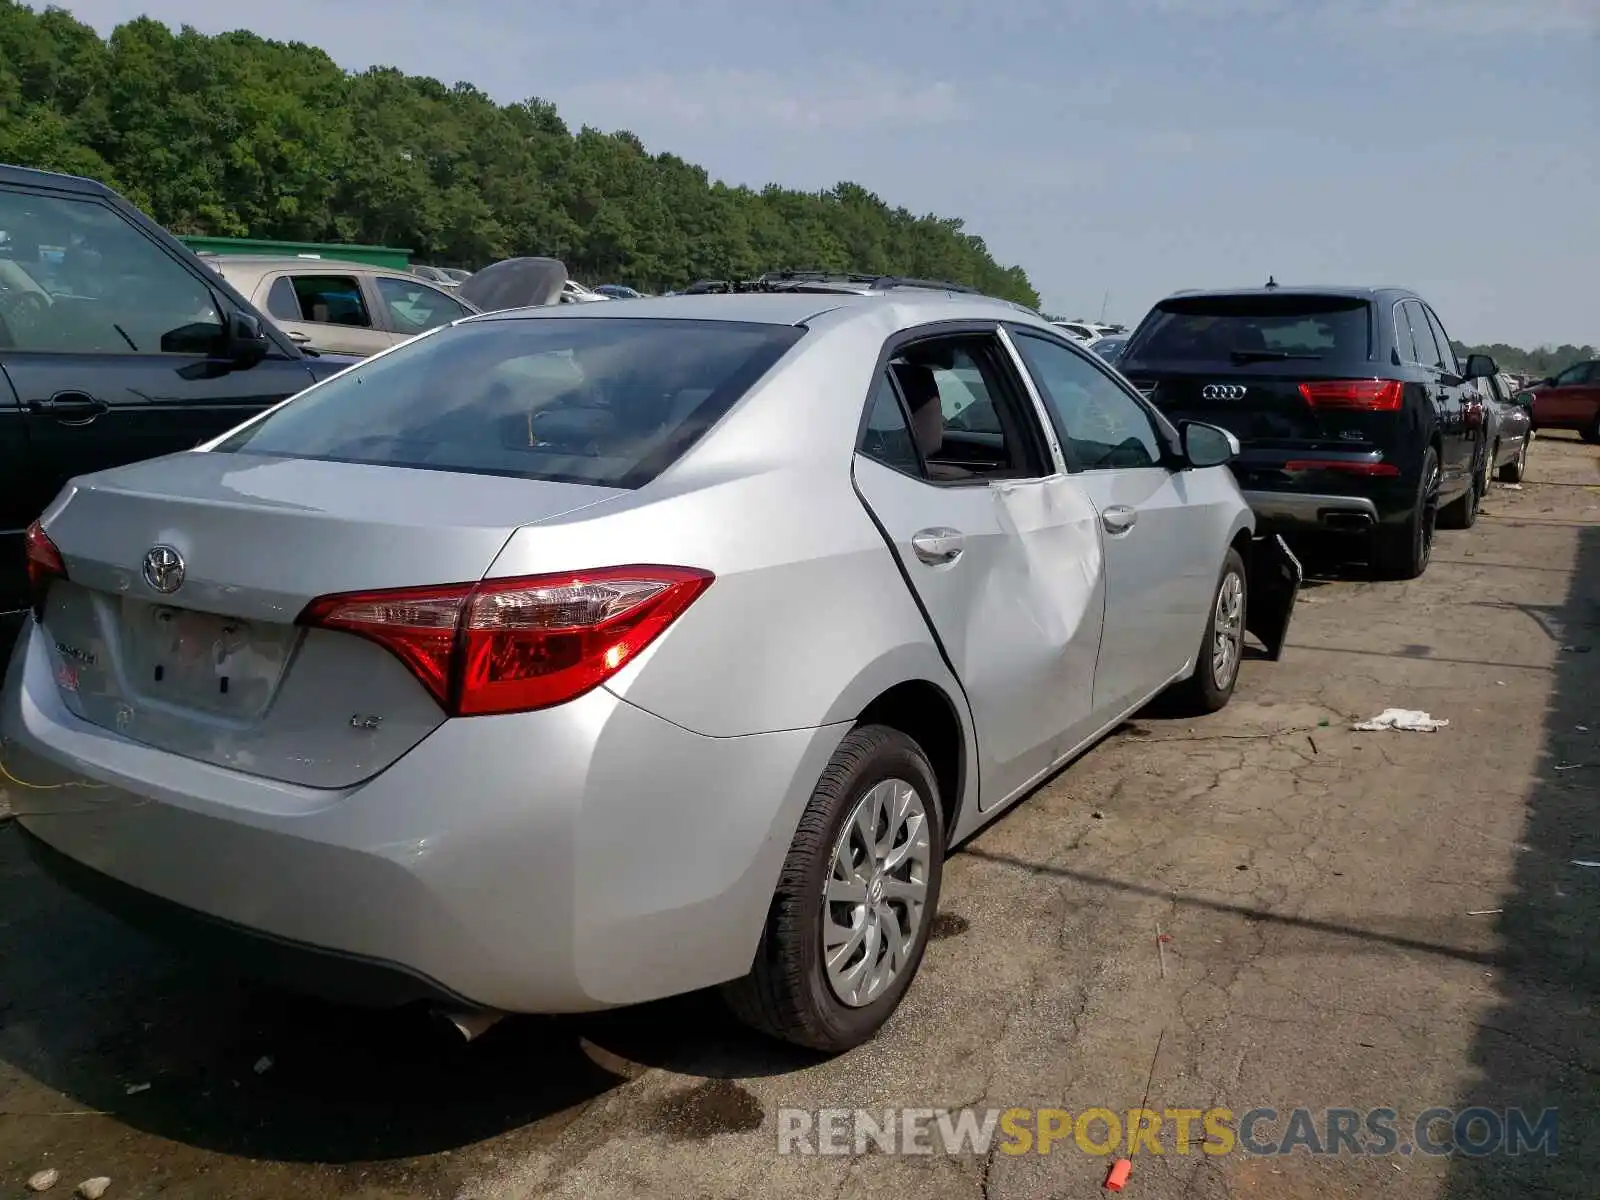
(273, 261)
(918, 305)
(1346, 291)
(25, 176)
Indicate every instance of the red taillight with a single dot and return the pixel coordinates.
(510, 645)
(44, 564)
(1372, 395)
(1347, 466)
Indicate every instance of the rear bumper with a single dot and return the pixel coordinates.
(583, 857)
(1284, 512)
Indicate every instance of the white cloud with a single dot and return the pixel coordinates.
(737, 98)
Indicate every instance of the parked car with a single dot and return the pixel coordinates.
(1353, 413)
(1090, 332)
(1570, 400)
(116, 343)
(521, 712)
(343, 307)
(574, 292)
(1508, 430)
(434, 275)
(616, 291)
(1111, 347)
(458, 274)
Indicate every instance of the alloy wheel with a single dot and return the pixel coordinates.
(875, 897)
(1228, 627)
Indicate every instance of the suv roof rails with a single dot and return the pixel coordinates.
(827, 281)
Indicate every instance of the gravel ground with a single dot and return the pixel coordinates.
(1357, 920)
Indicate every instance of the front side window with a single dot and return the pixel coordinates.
(1447, 352)
(78, 277)
(332, 300)
(610, 401)
(1100, 425)
(416, 308)
(1576, 374)
(1422, 333)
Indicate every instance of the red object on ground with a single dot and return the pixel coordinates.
(1118, 1178)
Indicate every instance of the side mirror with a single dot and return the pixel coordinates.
(1481, 366)
(1207, 445)
(247, 340)
(1523, 400)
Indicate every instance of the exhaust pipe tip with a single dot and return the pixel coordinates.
(469, 1026)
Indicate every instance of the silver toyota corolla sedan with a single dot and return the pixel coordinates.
(575, 657)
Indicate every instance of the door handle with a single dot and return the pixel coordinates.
(935, 546)
(70, 408)
(1119, 518)
(298, 338)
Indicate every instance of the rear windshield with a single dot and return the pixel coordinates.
(1243, 329)
(607, 401)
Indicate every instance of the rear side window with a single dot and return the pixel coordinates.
(332, 300)
(1422, 334)
(281, 300)
(604, 401)
(1238, 330)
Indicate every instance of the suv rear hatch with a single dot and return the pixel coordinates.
(218, 670)
(1283, 371)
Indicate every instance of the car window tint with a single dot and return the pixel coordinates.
(1447, 353)
(604, 401)
(1100, 425)
(1577, 373)
(416, 308)
(282, 303)
(887, 436)
(332, 300)
(76, 276)
(1219, 329)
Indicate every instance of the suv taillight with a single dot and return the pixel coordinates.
(511, 645)
(44, 564)
(1371, 395)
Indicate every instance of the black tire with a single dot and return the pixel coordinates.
(1203, 691)
(1513, 471)
(1404, 552)
(1592, 434)
(1462, 512)
(787, 993)
(1485, 470)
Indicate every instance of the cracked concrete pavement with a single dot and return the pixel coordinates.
(1315, 883)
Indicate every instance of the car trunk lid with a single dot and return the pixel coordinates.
(215, 667)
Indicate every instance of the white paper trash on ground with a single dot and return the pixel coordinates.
(1409, 720)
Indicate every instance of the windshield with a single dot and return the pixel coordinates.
(607, 402)
(1242, 329)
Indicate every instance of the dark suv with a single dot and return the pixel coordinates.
(1353, 414)
(116, 343)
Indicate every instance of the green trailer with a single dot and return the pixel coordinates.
(377, 256)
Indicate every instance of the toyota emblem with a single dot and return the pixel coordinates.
(1223, 391)
(163, 569)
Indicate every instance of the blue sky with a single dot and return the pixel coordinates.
(1124, 146)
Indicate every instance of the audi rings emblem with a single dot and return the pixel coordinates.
(1223, 391)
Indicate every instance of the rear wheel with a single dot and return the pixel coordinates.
(850, 918)
(1403, 552)
(1216, 668)
(1592, 433)
(1513, 471)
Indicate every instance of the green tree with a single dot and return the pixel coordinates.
(240, 136)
